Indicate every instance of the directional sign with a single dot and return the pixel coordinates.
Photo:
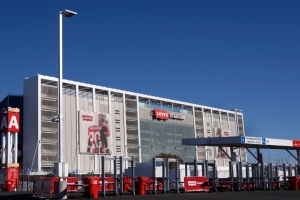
(28, 171)
(243, 139)
(252, 140)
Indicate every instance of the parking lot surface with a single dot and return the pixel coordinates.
(245, 195)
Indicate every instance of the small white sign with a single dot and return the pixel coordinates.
(253, 140)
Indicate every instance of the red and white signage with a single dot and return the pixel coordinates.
(196, 184)
(296, 143)
(165, 115)
(87, 118)
(10, 122)
(161, 114)
(177, 116)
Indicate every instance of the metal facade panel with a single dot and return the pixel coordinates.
(31, 122)
(86, 104)
(87, 163)
(70, 131)
(160, 137)
(117, 128)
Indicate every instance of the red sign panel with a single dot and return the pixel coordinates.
(296, 143)
(196, 183)
(10, 122)
(161, 114)
(87, 118)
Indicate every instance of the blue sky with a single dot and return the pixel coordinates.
(224, 54)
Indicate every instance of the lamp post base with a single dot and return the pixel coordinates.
(61, 189)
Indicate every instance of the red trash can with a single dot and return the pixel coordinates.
(94, 182)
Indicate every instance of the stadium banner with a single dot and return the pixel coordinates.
(219, 132)
(94, 131)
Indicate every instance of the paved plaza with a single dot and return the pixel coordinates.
(245, 195)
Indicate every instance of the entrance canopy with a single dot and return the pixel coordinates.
(244, 142)
(247, 142)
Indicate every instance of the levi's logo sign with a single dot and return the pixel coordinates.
(161, 114)
(87, 118)
(192, 183)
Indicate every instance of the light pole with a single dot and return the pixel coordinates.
(61, 184)
(69, 14)
(237, 129)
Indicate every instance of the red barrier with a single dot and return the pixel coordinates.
(196, 184)
(141, 185)
(38, 187)
(224, 184)
(293, 182)
(91, 187)
(127, 184)
(245, 184)
(109, 184)
(46, 186)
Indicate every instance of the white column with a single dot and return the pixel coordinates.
(8, 150)
(3, 148)
(16, 148)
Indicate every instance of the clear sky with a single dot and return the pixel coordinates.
(223, 54)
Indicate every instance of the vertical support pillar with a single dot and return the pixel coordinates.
(195, 168)
(231, 175)
(164, 175)
(167, 179)
(154, 176)
(214, 185)
(103, 176)
(176, 175)
(298, 157)
(16, 148)
(115, 192)
(284, 176)
(121, 176)
(3, 148)
(132, 178)
(247, 176)
(8, 150)
(206, 168)
(262, 178)
(240, 175)
(276, 177)
(185, 168)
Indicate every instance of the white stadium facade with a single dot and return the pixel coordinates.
(111, 122)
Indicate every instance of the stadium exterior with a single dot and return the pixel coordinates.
(138, 125)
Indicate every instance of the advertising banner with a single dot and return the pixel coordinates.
(196, 184)
(219, 132)
(94, 132)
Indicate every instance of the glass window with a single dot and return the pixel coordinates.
(155, 104)
(144, 103)
(187, 110)
(177, 108)
(166, 106)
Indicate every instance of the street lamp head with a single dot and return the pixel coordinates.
(68, 13)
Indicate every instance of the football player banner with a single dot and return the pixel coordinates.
(94, 132)
(219, 132)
